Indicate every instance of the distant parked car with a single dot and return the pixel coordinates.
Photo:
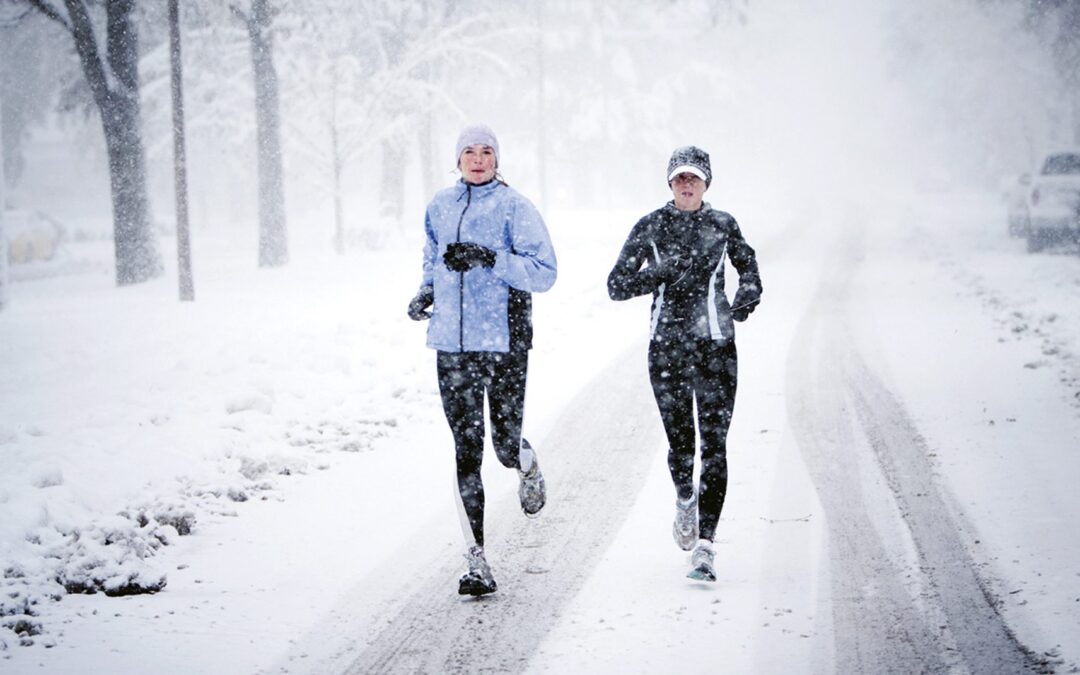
(1016, 192)
(1054, 201)
(31, 236)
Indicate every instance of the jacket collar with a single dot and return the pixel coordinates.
(675, 213)
(478, 190)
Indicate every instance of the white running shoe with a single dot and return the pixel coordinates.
(478, 579)
(532, 492)
(701, 563)
(685, 527)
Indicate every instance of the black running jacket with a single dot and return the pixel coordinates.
(694, 306)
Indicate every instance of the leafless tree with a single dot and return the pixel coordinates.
(183, 240)
(113, 78)
(273, 242)
(3, 237)
(364, 80)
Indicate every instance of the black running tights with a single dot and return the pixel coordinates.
(463, 379)
(682, 371)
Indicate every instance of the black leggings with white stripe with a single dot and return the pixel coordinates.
(463, 380)
(682, 371)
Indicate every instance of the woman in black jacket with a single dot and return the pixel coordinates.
(677, 253)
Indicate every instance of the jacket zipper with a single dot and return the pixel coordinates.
(461, 275)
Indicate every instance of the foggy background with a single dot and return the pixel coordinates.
(798, 102)
(826, 119)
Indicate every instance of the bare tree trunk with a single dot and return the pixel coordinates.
(1075, 121)
(183, 239)
(114, 83)
(1066, 49)
(541, 121)
(436, 13)
(336, 168)
(339, 216)
(393, 181)
(3, 237)
(273, 243)
(392, 192)
(137, 257)
(426, 141)
(20, 53)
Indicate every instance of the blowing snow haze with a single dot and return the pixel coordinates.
(810, 97)
(260, 480)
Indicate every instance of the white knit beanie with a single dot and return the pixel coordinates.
(477, 134)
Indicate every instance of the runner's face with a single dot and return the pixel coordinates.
(477, 164)
(689, 190)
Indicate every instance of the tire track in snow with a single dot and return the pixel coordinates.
(595, 463)
(923, 609)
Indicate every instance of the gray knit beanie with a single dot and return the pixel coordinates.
(477, 134)
(690, 159)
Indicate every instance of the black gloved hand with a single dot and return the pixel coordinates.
(746, 299)
(419, 304)
(462, 256)
(672, 270)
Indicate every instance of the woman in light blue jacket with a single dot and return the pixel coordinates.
(487, 251)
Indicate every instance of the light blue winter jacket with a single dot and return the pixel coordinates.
(477, 310)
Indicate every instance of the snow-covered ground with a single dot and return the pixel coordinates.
(291, 419)
(273, 459)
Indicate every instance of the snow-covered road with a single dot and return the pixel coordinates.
(595, 461)
(902, 467)
(903, 585)
(905, 594)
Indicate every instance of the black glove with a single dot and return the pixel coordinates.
(463, 256)
(746, 299)
(673, 269)
(418, 305)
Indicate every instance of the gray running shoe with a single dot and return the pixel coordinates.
(478, 579)
(532, 491)
(701, 564)
(685, 527)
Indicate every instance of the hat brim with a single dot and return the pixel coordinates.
(686, 168)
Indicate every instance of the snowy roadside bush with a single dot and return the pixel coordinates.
(114, 555)
(82, 511)
(110, 556)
